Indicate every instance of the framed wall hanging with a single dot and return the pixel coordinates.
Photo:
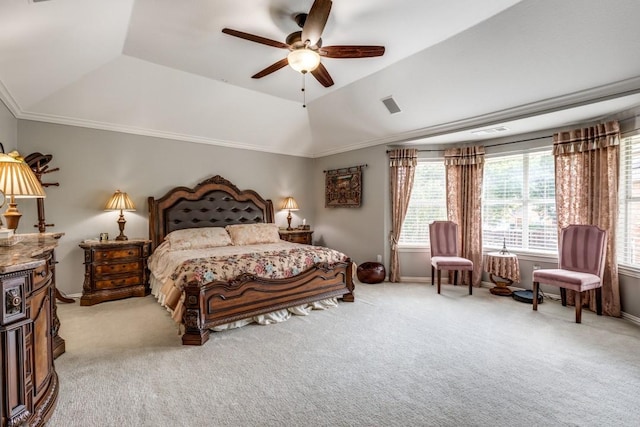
(343, 187)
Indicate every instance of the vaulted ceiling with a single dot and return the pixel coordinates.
(164, 68)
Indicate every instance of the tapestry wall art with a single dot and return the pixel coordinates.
(343, 187)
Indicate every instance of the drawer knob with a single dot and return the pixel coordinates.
(14, 300)
(42, 273)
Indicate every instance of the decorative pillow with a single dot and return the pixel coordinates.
(198, 238)
(252, 234)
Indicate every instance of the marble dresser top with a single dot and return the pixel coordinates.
(23, 255)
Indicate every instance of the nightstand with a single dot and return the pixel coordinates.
(297, 236)
(114, 269)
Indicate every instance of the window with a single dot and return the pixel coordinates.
(629, 195)
(428, 202)
(518, 202)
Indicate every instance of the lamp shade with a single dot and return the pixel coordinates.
(303, 60)
(290, 204)
(120, 201)
(16, 177)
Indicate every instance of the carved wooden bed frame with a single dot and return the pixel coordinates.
(216, 202)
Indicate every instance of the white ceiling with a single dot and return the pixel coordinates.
(164, 68)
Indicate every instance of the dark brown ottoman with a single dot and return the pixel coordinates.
(371, 272)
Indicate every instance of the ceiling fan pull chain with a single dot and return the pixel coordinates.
(304, 92)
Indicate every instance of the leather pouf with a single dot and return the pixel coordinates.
(371, 272)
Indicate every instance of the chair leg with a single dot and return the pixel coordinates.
(578, 307)
(599, 301)
(455, 278)
(439, 277)
(470, 282)
(535, 296)
(432, 270)
(563, 296)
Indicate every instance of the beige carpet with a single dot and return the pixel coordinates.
(400, 355)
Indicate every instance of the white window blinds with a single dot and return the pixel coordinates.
(428, 203)
(629, 195)
(518, 206)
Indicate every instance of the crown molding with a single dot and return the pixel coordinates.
(572, 100)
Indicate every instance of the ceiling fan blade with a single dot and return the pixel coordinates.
(316, 20)
(351, 51)
(322, 75)
(254, 38)
(271, 68)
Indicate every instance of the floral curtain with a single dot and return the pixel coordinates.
(402, 163)
(464, 170)
(587, 163)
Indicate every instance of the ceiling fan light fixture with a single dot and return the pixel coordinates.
(303, 60)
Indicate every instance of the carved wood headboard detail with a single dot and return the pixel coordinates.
(215, 202)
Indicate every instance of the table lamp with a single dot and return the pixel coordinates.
(120, 201)
(17, 180)
(290, 204)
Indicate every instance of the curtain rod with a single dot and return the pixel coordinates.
(493, 145)
(347, 168)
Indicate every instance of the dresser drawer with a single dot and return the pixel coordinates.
(117, 283)
(111, 254)
(40, 275)
(102, 270)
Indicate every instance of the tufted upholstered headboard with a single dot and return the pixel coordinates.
(215, 202)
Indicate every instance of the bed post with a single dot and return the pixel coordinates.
(349, 282)
(195, 333)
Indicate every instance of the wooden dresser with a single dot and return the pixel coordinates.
(297, 236)
(28, 331)
(114, 269)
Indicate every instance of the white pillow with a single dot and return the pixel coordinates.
(252, 234)
(198, 238)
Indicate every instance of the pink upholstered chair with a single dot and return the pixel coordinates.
(443, 236)
(581, 258)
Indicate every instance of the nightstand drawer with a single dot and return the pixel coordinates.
(109, 254)
(297, 236)
(125, 267)
(117, 283)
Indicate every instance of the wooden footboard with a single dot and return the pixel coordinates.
(217, 303)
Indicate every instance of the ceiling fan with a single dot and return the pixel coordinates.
(306, 46)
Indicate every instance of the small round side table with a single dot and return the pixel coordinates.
(503, 269)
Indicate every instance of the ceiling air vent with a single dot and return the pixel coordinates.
(391, 105)
(490, 131)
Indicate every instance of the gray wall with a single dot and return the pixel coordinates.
(359, 232)
(94, 163)
(8, 129)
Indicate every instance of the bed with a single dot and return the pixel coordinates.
(202, 304)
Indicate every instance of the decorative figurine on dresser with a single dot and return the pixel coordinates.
(114, 269)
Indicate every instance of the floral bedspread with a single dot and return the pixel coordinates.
(271, 264)
(171, 270)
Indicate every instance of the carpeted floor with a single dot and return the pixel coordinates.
(400, 355)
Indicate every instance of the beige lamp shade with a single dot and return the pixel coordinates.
(17, 180)
(16, 177)
(291, 205)
(120, 202)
